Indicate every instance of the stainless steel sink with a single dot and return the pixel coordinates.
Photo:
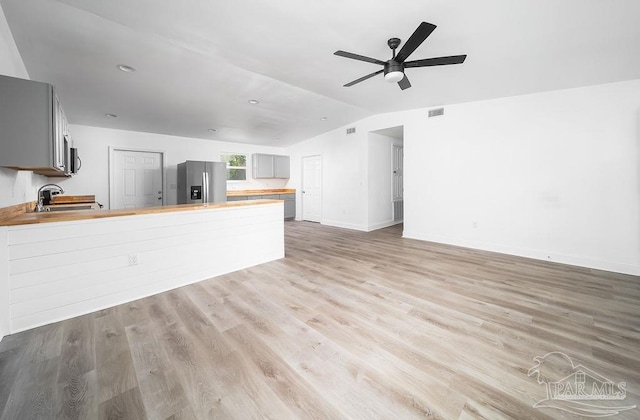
(68, 208)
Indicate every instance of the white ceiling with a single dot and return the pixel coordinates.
(199, 61)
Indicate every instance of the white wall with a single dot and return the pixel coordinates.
(5, 308)
(93, 145)
(552, 176)
(344, 192)
(11, 63)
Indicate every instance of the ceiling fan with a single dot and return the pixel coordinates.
(394, 67)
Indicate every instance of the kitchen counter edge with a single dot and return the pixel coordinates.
(275, 191)
(73, 215)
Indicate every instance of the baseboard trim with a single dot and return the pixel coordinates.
(351, 226)
(361, 228)
(383, 225)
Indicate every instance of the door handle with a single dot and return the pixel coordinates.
(204, 187)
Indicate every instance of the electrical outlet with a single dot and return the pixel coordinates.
(134, 259)
(475, 225)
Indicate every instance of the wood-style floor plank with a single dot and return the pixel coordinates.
(161, 389)
(125, 406)
(33, 392)
(115, 371)
(349, 325)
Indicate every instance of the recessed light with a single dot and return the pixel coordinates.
(111, 115)
(212, 130)
(253, 102)
(324, 118)
(125, 68)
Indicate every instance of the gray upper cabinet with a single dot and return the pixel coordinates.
(262, 165)
(280, 166)
(270, 166)
(35, 131)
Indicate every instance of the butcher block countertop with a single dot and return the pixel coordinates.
(29, 218)
(234, 193)
(73, 199)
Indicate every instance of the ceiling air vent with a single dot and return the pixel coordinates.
(351, 130)
(436, 112)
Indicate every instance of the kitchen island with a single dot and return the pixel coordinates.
(55, 266)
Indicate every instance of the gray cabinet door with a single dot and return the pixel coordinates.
(262, 165)
(289, 205)
(281, 167)
(28, 112)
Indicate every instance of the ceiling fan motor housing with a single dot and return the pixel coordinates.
(391, 66)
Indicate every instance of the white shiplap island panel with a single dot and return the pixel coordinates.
(60, 270)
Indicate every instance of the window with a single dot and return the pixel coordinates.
(236, 166)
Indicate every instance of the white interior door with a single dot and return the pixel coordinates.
(312, 188)
(136, 179)
(397, 182)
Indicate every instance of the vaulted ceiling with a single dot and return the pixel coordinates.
(199, 62)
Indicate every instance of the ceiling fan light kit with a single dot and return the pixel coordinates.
(393, 71)
(394, 67)
(393, 76)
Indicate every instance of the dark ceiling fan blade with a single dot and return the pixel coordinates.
(414, 41)
(358, 57)
(404, 83)
(363, 78)
(438, 61)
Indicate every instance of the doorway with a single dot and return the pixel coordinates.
(397, 182)
(385, 177)
(312, 188)
(136, 178)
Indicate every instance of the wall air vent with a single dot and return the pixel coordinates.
(351, 130)
(436, 112)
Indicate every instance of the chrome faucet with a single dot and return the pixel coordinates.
(55, 188)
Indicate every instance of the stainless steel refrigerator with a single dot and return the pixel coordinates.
(202, 182)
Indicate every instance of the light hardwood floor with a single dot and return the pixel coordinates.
(348, 325)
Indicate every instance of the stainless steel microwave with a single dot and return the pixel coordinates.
(74, 160)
